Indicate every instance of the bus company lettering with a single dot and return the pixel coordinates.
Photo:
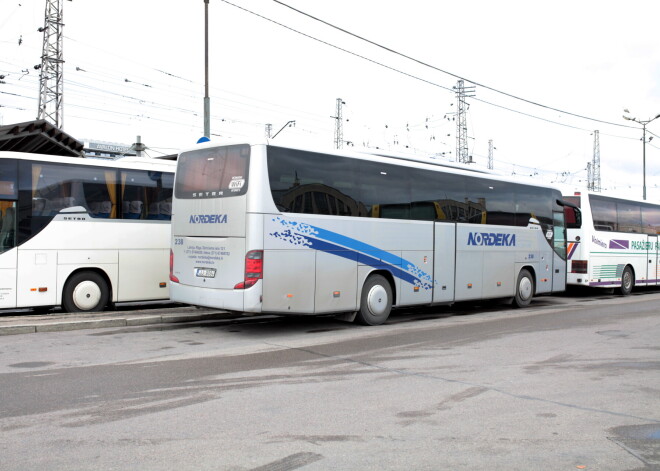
(599, 242)
(641, 245)
(498, 239)
(208, 219)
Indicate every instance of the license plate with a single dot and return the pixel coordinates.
(205, 272)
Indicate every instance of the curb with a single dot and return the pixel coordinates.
(61, 325)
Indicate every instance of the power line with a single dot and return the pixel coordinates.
(425, 64)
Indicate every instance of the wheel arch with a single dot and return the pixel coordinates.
(99, 271)
(388, 276)
(532, 272)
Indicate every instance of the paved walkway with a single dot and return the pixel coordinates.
(25, 322)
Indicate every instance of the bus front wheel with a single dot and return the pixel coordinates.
(524, 289)
(375, 302)
(85, 291)
(627, 281)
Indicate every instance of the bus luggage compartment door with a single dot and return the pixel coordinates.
(288, 281)
(444, 262)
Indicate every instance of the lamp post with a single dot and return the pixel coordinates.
(207, 100)
(643, 123)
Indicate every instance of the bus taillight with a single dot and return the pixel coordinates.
(254, 269)
(579, 266)
(172, 277)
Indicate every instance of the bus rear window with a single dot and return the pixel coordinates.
(217, 172)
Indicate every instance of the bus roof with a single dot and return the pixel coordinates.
(125, 162)
(372, 154)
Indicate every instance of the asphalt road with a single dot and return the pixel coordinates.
(569, 383)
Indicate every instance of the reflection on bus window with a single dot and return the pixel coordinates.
(7, 225)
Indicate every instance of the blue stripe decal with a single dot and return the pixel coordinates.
(363, 259)
(317, 238)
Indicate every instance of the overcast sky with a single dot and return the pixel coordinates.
(547, 75)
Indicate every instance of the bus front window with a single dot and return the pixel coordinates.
(7, 225)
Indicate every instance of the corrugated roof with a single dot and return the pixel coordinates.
(39, 137)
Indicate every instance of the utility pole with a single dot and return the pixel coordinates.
(462, 92)
(490, 154)
(269, 130)
(51, 89)
(207, 100)
(339, 129)
(643, 122)
(590, 177)
(595, 165)
(139, 146)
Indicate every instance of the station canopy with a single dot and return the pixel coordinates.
(39, 137)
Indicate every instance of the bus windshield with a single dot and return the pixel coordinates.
(216, 172)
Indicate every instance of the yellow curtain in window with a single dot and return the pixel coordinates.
(36, 172)
(112, 190)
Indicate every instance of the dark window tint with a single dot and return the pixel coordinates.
(8, 179)
(307, 182)
(146, 194)
(612, 214)
(216, 172)
(629, 217)
(603, 212)
(651, 219)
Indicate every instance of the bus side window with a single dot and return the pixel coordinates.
(8, 228)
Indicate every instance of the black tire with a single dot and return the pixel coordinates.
(627, 281)
(375, 301)
(85, 291)
(524, 289)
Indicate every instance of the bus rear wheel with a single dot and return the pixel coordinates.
(85, 291)
(524, 289)
(627, 281)
(375, 302)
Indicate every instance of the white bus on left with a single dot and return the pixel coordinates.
(83, 233)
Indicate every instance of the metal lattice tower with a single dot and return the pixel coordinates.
(595, 165)
(490, 154)
(590, 179)
(269, 130)
(339, 125)
(52, 65)
(462, 92)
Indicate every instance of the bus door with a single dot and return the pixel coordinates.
(444, 262)
(559, 255)
(652, 256)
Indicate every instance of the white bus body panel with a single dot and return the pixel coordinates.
(8, 278)
(43, 266)
(445, 262)
(38, 270)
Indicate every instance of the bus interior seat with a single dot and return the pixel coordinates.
(154, 211)
(132, 209)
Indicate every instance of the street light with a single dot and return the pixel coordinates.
(643, 123)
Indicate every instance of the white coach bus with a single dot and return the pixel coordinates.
(266, 229)
(83, 233)
(616, 244)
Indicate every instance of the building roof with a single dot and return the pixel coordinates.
(39, 137)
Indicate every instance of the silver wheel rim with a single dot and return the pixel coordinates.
(377, 300)
(627, 280)
(525, 288)
(86, 295)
